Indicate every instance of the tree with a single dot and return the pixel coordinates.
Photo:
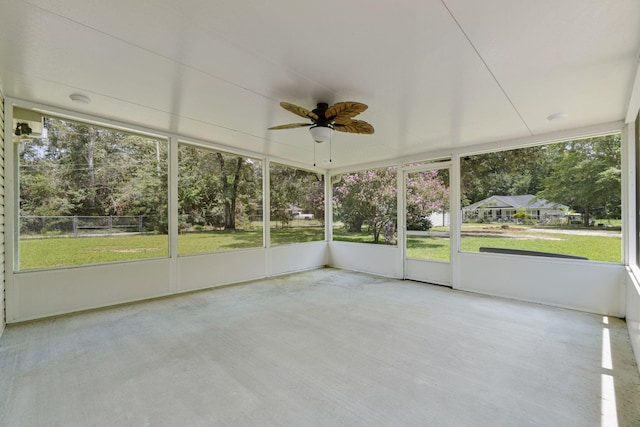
(40, 192)
(313, 201)
(293, 187)
(509, 173)
(217, 188)
(230, 175)
(587, 176)
(87, 170)
(583, 174)
(367, 197)
(522, 215)
(427, 192)
(144, 190)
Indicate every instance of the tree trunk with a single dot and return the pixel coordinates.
(355, 226)
(158, 168)
(229, 215)
(586, 219)
(230, 192)
(90, 157)
(376, 234)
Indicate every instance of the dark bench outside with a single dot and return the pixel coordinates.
(506, 251)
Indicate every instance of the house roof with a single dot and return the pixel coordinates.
(513, 202)
(436, 75)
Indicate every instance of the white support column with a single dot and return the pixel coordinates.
(173, 214)
(328, 207)
(11, 214)
(401, 220)
(629, 226)
(455, 220)
(266, 216)
(3, 141)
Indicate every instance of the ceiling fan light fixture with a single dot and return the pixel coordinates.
(321, 133)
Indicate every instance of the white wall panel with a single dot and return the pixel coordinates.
(428, 271)
(302, 256)
(222, 268)
(633, 313)
(368, 258)
(587, 286)
(51, 292)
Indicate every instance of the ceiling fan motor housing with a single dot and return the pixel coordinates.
(321, 112)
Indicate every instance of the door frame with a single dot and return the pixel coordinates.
(430, 271)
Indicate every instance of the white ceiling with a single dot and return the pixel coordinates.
(435, 73)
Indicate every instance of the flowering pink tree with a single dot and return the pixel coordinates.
(427, 192)
(368, 198)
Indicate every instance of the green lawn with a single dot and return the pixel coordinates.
(36, 253)
(286, 236)
(198, 242)
(432, 248)
(67, 251)
(606, 247)
(596, 248)
(362, 237)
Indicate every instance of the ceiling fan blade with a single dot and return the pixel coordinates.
(354, 126)
(300, 111)
(345, 110)
(291, 126)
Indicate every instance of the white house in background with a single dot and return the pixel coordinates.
(503, 208)
(440, 219)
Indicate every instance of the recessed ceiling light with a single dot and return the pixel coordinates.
(557, 116)
(78, 97)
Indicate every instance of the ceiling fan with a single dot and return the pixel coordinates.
(325, 119)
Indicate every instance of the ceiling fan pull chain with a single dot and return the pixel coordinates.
(314, 154)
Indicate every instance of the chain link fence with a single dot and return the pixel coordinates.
(78, 226)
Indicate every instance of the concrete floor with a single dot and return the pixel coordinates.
(321, 348)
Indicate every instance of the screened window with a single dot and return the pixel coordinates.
(365, 206)
(90, 194)
(297, 205)
(562, 198)
(220, 201)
